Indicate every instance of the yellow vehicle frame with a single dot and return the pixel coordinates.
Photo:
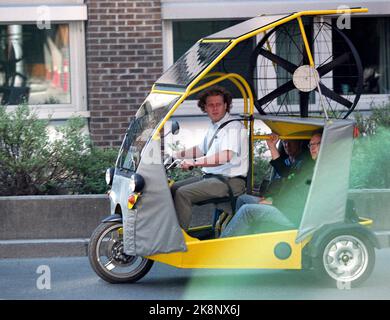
(251, 251)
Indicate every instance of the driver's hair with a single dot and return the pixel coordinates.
(215, 91)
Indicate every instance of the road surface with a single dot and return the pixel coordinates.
(72, 278)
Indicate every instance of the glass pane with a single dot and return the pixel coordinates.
(186, 33)
(191, 64)
(34, 64)
(142, 126)
(371, 37)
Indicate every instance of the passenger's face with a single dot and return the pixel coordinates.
(215, 108)
(292, 147)
(315, 143)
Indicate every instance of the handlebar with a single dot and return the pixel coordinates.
(175, 163)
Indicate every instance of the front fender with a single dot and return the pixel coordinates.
(113, 218)
(326, 230)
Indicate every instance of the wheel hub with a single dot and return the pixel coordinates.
(119, 256)
(345, 258)
(306, 78)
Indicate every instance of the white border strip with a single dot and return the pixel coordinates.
(55, 13)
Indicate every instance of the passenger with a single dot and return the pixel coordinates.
(294, 151)
(284, 209)
(223, 157)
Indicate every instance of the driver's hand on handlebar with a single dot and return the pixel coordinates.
(187, 164)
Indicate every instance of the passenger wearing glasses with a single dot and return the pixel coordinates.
(281, 211)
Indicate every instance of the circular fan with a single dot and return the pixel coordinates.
(284, 83)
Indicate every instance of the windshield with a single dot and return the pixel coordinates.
(141, 128)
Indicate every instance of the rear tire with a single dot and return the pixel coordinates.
(106, 256)
(345, 259)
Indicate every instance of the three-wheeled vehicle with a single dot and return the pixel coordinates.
(292, 86)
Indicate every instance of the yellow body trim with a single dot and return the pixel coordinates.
(230, 76)
(304, 37)
(365, 221)
(266, 137)
(167, 92)
(294, 130)
(215, 40)
(251, 251)
(238, 80)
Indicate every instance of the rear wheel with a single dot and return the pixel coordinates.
(345, 259)
(108, 260)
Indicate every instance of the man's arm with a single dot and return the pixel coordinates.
(271, 143)
(277, 162)
(208, 161)
(189, 153)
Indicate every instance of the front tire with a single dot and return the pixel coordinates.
(108, 260)
(345, 259)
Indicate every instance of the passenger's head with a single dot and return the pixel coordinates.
(314, 145)
(292, 147)
(215, 101)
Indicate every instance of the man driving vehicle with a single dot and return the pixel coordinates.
(222, 155)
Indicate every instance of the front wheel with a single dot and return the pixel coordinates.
(345, 259)
(108, 260)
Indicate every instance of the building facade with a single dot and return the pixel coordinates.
(99, 58)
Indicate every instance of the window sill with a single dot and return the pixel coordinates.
(55, 112)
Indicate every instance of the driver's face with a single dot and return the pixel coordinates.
(215, 108)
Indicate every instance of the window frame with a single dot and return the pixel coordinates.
(74, 16)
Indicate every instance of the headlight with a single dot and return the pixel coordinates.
(136, 183)
(109, 175)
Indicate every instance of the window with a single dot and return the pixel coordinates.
(34, 64)
(42, 57)
(371, 37)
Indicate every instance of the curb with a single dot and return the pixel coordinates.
(43, 248)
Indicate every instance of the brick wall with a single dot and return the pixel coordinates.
(124, 59)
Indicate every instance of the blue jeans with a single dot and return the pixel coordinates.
(253, 217)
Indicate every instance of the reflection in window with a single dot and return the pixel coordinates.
(371, 37)
(187, 33)
(34, 64)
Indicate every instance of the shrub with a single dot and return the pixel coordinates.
(32, 162)
(369, 166)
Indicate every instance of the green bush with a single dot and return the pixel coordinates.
(371, 157)
(33, 163)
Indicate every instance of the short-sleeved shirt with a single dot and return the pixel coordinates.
(233, 137)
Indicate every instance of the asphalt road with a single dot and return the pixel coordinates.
(73, 279)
